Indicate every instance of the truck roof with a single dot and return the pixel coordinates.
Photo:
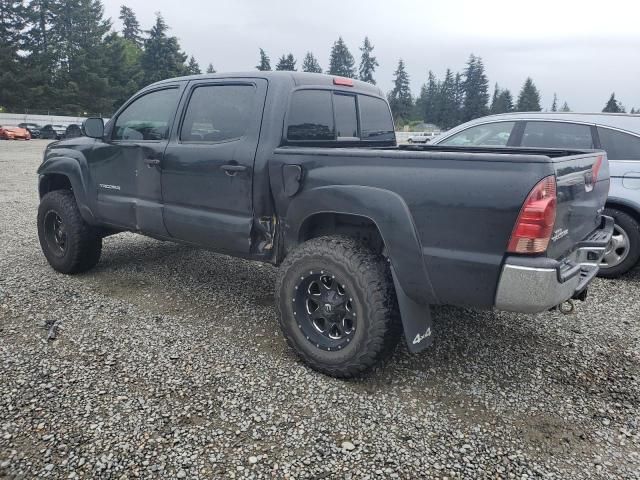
(298, 78)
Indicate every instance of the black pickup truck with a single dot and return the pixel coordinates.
(303, 171)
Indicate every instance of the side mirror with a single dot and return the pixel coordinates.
(93, 127)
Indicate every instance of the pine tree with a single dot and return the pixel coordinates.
(286, 63)
(529, 97)
(210, 68)
(265, 62)
(12, 23)
(341, 61)
(476, 90)
(565, 107)
(130, 26)
(613, 106)
(400, 99)
(502, 101)
(310, 64)
(554, 105)
(162, 57)
(447, 104)
(459, 89)
(633, 111)
(431, 101)
(368, 62)
(123, 69)
(192, 67)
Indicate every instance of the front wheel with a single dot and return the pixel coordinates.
(337, 306)
(623, 252)
(69, 244)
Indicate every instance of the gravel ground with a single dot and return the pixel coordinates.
(168, 363)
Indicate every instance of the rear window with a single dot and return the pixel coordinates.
(375, 119)
(323, 115)
(485, 135)
(619, 145)
(311, 116)
(557, 135)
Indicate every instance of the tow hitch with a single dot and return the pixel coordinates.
(567, 308)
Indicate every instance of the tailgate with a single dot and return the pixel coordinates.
(582, 190)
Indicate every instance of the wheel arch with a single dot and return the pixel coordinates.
(62, 173)
(624, 206)
(382, 214)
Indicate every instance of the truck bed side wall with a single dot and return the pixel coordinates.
(461, 207)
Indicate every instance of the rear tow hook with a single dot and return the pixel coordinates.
(567, 308)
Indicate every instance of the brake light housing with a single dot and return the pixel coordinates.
(533, 229)
(343, 81)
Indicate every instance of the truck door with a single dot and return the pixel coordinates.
(207, 169)
(124, 168)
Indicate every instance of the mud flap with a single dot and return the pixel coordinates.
(416, 319)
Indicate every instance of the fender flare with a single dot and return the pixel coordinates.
(387, 210)
(72, 169)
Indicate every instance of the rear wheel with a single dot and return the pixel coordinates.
(337, 306)
(69, 243)
(623, 251)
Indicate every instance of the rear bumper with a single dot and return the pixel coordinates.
(532, 285)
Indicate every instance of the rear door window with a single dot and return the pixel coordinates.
(619, 145)
(218, 113)
(557, 135)
(486, 135)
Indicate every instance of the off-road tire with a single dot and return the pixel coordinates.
(83, 244)
(367, 278)
(632, 229)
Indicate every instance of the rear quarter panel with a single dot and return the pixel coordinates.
(463, 206)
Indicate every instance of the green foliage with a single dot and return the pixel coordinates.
(265, 62)
(554, 105)
(210, 68)
(476, 90)
(613, 106)
(529, 98)
(400, 99)
(162, 57)
(341, 61)
(192, 67)
(286, 63)
(130, 26)
(368, 62)
(565, 107)
(12, 23)
(502, 101)
(310, 64)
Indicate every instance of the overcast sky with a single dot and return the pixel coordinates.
(580, 49)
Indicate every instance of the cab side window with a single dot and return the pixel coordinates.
(619, 145)
(218, 113)
(486, 135)
(557, 135)
(148, 117)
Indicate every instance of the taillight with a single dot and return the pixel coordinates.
(533, 229)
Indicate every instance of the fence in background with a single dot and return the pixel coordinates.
(16, 118)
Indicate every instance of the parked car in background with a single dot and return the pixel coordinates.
(14, 133)
(53, 132)
(421, 137)
(73, 131)
(618, 134)
(34, 129)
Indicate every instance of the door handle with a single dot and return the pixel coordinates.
(152, 161)
(232, 170)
